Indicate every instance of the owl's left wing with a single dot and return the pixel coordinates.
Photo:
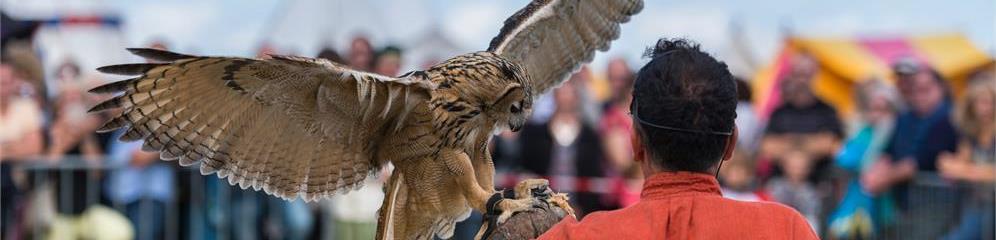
(552, 38)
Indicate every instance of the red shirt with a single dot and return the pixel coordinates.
(685, 205)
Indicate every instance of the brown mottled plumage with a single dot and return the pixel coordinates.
(294, 126)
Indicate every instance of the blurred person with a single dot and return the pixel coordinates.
(361, 54)
(331, 55)
(737, 180)
(683, 109)
(616, 126)
(565, 147)
(616, 130)
(921, 133)
(21, 117)
(21, 139)
(905, 70)
(290, 219)
(802, 118)
(143, 185)
(750, 126)
(74, 145)
(544, 106)
(793, 188)
(860, 215)
(974, 162)
(21, 56)
(265, 50)
(387, 62)
(73, 131)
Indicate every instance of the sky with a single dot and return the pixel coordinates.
(238, 27)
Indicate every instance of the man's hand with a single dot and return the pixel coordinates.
(952, 167)
(141, 159)
(883, 174)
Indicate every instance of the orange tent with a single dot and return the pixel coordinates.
(844, 62)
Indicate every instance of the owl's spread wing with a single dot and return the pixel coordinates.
(552, 38)
(291, 126)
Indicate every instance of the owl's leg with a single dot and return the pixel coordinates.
(484, 167)
(460, 165)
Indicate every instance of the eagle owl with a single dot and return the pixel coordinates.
(302, 127)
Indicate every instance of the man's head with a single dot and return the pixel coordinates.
(905, 69)
(387, 62)
(928, 92)
(360, 53)
(796, 87)
(684, 104)
(620, 79)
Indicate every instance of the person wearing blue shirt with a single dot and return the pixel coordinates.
(143, 185)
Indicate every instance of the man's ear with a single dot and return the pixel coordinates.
(639, 153)
(731, 144)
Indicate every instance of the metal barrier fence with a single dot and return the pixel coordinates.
(69, 198)
(203, 207)
(930, 208)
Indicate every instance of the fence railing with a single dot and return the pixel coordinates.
(204, 207)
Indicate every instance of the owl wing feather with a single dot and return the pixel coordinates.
(552, 38)
(291, 126)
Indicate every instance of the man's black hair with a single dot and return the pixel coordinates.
(693, 96)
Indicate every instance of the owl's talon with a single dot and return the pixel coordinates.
(531, 188)
(509, 207)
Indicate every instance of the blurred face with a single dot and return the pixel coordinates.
(879, 109)
(620, 77)
(982, 106)
(68, 73)
(566, 97)
(737, 176)
(905, 85)
(796, 91)
(388, 65)
(360, 54)
(796, 165)
(927, 94)
(804, 67)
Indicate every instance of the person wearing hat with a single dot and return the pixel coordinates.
(921, 133)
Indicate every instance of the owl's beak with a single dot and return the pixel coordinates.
(515, 127)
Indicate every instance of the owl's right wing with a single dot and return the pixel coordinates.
(291, 126)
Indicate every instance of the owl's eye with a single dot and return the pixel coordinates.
(515, 108)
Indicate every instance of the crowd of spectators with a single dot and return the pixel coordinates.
(851, 179)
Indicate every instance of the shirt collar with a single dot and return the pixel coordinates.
(671, 184)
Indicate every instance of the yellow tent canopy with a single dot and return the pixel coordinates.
(844, 62)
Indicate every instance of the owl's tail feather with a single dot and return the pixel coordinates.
(391, 216)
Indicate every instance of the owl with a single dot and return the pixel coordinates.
(309, 128)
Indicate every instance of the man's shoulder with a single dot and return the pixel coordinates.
(763, 207)
(600, 224)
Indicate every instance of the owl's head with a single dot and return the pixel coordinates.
(513, 107)
(514, 101)
(483, 86)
